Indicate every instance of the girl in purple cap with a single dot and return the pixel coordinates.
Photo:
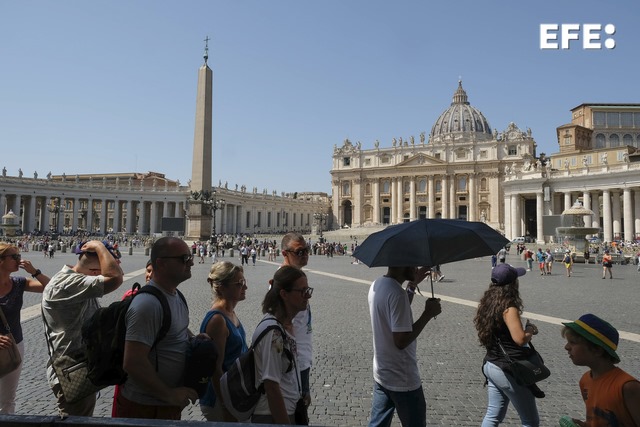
(498, 323)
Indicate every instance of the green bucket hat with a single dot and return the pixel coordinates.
(597, 331)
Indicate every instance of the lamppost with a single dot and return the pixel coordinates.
(56, 209)
(210, 199)
(320, 218)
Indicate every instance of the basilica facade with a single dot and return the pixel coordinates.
(457, 173)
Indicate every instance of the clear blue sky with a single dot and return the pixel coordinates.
(97, 86)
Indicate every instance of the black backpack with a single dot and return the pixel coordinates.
(103, 335)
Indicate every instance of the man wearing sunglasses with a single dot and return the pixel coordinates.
(295, 252)
(70, 298)
(156, 368)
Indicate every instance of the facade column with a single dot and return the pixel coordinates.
(473, 204)
(412, 198)
(357, 213)
(3, 204)
(400, 201)
(104, 220)
(627, 205)
(375, 189)
(444, 197)
(606, 216)
(506, 202)
(453, 200)
(539, 211)
(586, 202)
(432, 198)
(515, 218)
(595, 207)
(616, 214)
(392, 189)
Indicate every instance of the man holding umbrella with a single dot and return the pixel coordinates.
(397, 384)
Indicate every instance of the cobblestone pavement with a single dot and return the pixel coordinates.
(448, 352)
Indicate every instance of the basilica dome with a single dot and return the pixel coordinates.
(460, 118)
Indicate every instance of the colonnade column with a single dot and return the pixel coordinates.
(567, 201)
(375, 189)
(104, 220)
(539, 211)
(31, 215)
(17, 199)
(595, 207)
(444, 197)
(586, 202)
(357, 212)
(412, 199)
(628, 215)
(636, 195)
(606, 216)
(153, 220)
(616, 214)
(116, 216)
(507, 215)
(394, 195)
(131, 217)
(432, 198)
(3, 204)
(515, 219)
(473, 208)
(45, 226)
(89, 214)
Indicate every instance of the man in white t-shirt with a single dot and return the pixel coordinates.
(397, 384)
(295, 252)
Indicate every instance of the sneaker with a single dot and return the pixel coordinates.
(567, 421)
(441, 278)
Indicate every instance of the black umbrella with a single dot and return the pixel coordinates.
(429, 242)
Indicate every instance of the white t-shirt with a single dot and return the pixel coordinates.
(302, 329)
(390, 310)
(272, 364)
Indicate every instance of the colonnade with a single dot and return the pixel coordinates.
(616, 211)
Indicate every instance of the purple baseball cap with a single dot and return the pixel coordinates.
(504, 274)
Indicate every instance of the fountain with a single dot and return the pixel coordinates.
(573, 232)
(9, 224)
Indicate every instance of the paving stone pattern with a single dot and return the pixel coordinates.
(448, 351)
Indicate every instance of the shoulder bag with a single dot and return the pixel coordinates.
(10, 357)
(71, 371)
(528, 371)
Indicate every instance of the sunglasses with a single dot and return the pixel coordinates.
(300, 252)
(240, 283)
(185, 258)
(16, 257)
(305, 292)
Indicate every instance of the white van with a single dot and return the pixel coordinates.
(517, 240)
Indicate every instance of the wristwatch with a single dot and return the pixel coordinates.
(36, 274)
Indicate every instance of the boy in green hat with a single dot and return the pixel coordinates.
(611, 396)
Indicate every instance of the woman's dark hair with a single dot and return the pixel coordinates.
(282, 280)
(493, 304)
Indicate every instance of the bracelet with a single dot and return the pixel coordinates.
(36, 274)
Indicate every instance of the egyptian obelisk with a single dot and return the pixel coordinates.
(199, 223)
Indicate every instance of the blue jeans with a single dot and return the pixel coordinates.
(503, 389)
(410, 405)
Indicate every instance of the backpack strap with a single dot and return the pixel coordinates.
(166, 311)
(278, 326)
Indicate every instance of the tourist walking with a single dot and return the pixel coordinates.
(607, 264)
(499, 324)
